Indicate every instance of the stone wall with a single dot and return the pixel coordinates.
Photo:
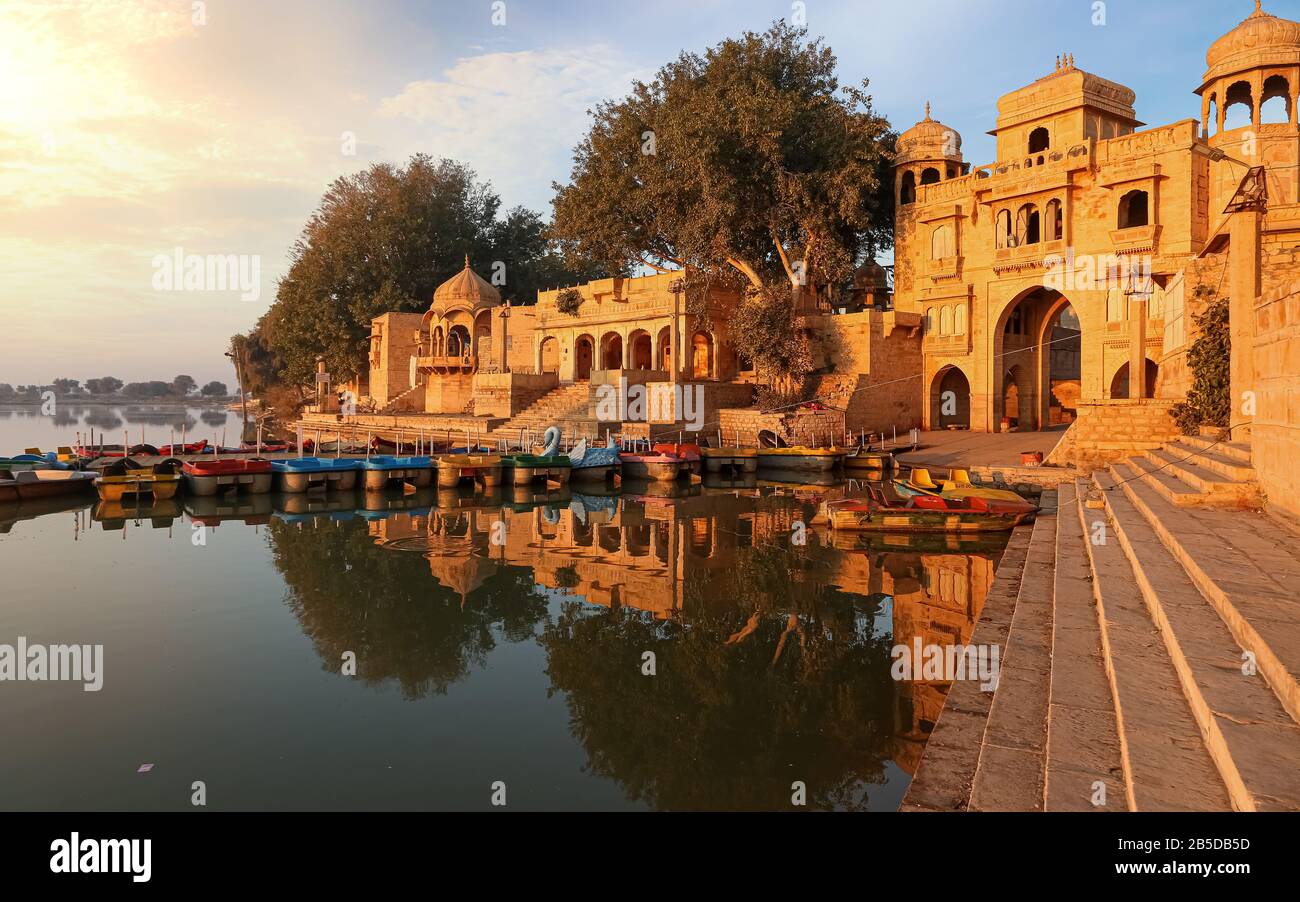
(876, 356)
(1275, 433)
(1111, 430)
(506, 394)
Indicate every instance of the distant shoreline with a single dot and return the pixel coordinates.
(123, 402)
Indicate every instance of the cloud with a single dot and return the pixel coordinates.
(514, 116)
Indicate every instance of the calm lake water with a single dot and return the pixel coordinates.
(26, 426)
(498, 638)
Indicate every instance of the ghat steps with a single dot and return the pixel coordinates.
(1150, 654)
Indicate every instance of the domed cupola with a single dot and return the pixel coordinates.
(465, 291)
(1255, 62)
(928, 152)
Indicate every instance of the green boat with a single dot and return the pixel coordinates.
(523, 469)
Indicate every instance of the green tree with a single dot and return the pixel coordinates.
(105, 385)
(7, 392)
(66, 386)
(1209, 400)
(214, 389)
(182, 385)
(749, 158)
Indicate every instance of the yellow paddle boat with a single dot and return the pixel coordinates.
(957, 485)
(801, 459)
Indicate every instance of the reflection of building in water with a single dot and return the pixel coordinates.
(629, 552)
(938, 598)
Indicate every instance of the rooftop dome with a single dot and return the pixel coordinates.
(1260, 40)
(929, 139)
(465, 291)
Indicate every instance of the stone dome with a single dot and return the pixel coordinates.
(929, 139)
(464, 291)
(1260, 40)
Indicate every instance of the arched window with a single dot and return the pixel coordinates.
(942, 245)
(1002, 228)
(1052, 226)
(907, 188)
(1027, 231)
(1039, 140)
(929, 175)
(1133, 210)
(1238, 106)
(930, 324)
(959, 320)
(945, 321)
(1275, 102)
(1211, 116)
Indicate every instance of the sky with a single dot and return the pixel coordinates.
(132, 131)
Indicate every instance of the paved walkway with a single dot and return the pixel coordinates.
(961, 448)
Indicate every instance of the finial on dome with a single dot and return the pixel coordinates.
(467, 261)
(927, 111)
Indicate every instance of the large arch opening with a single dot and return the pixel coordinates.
(1238, 106)
(642, 353)
(458, 342)
(1037, 343)
(1119, 383)
(548, 356)
(664, 348)
(584, 353)
(611, 351)
(701, 355)
(1275, 101)
(950, 399)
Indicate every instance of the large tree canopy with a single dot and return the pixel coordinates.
(750, 158)
(382, 240)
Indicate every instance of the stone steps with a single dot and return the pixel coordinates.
(1173, 489)
(1251, 738)
(1165, 763)
(1084, 766)
(1218, 460)
(1238, 451)
(1190, 468)
(1245, 565)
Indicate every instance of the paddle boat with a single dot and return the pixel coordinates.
(730, 460)
(303, 474)
(958, 485)
(32, 462)
(687, 451)
(549, 466)
(199, 447)
(655, 467)
(923, 513)
(595, 464)
(209, 477)
(381, 471)
(478, 469)
(801, 458)
(124, 478)
(112, 515)
(27, 485)
(303, 507)
(865, 459)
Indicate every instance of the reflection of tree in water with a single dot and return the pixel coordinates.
(385, 606)
(771, 680)
(105, 418)
(214, 417)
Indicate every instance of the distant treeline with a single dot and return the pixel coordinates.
(110, 387)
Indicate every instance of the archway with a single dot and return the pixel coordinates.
(701, 355)
(950, 399)
(1037, 342)
(584, 352)
(458, 342)
(642, 353)
(611, 351)
(548, 356)
(1119, 383)
(665, 354)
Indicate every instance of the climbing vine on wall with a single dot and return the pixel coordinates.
(1209, 399)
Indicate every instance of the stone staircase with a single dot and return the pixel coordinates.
(566, 405)
(1196, 471)
(1150, 653)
